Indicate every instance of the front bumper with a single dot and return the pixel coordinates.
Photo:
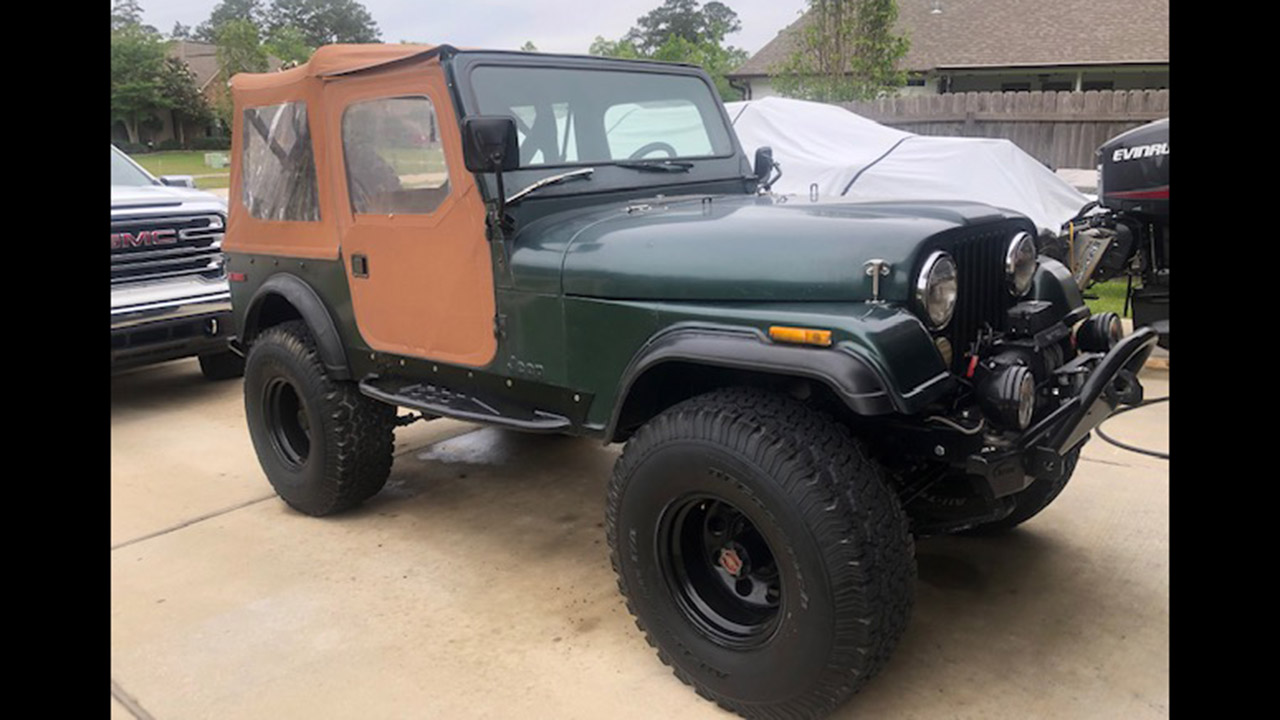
(161, 329)
(1040, 451)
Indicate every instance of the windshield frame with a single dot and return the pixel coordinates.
(609, 175)
(601, 65)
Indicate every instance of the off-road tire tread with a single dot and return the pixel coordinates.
(847, 504)
(360, 443)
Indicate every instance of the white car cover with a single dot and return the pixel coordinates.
(847, 155)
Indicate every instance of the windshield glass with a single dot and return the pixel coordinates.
(124, 172)
(584, 117)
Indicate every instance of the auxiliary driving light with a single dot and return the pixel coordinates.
(1008, 396)
(1100, 332)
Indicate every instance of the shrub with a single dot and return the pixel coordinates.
(211, 143)
(170, 144)
(131, 148)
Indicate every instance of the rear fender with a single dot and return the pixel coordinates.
(304, 300)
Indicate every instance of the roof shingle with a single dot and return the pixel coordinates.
(1008, 33)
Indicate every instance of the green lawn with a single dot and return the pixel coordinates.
(185, 162)
(1110, 297)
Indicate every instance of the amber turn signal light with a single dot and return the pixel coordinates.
(800, 336)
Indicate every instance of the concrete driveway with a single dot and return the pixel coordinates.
(477, 585)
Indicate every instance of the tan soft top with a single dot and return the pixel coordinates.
(328, 61)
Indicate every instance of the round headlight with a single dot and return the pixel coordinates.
(1020, 264)
(936, 289)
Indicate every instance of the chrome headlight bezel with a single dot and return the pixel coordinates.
(938, 268)
(1020, 263)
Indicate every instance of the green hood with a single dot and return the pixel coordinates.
(728, 248)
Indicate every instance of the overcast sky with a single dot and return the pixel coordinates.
(566, 26)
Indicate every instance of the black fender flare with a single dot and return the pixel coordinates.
(304, 299)
(850, 377)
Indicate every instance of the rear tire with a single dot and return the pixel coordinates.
(324, 446)
(761, 552)
(221, 366)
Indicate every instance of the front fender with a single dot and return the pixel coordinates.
(881, 361)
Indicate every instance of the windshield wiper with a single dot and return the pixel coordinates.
(655, 165)
(581, 174)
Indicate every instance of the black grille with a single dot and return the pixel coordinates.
(192, 246)
(984, 297)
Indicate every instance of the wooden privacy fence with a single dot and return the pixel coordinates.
(1060, 129)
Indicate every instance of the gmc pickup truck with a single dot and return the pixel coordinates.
(169, 295)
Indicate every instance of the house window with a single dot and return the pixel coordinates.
(1015, 87)
(394, 160)
(1057, 86)
(278, 169)
(1099, 85)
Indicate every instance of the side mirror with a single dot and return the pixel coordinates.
(490, 144)
(765, 168)
(185, 181)
(764, 163)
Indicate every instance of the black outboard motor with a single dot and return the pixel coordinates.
(1130, 236)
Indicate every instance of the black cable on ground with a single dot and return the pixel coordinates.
(1131, 448)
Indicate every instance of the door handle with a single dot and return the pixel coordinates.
(360, 266)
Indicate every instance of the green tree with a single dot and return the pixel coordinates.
(845, 50)
(226, 11)
(683, 31)
(240, 49)
(712, 57)
(137, 82)
(180, 94)
(180, 32)
(289, 44)
(528, 46)
(323, 22)
(615, 49)
(125, 13)
(684, 19)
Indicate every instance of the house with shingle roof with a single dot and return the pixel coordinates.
(1003, 45)
(202, 59)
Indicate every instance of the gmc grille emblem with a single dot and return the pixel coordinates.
(143, 238)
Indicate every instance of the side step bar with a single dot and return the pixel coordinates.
(438, 400)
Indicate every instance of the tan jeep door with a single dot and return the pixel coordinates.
(410, 218)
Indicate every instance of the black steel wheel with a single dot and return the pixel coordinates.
(323, 445)
(287, 421)
(761, 552)
(721, 571)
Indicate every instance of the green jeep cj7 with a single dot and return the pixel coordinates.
(579, 245)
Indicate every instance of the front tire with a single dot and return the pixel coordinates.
(324, 446)
(761, 551)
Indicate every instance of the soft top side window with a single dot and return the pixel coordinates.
(278, 167)
(395, 162)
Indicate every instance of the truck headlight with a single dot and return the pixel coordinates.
(1020, 264)
(936, 289)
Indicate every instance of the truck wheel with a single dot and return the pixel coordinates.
(761, 552)
(1031, 501)
(324, 446)
(221, 366)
